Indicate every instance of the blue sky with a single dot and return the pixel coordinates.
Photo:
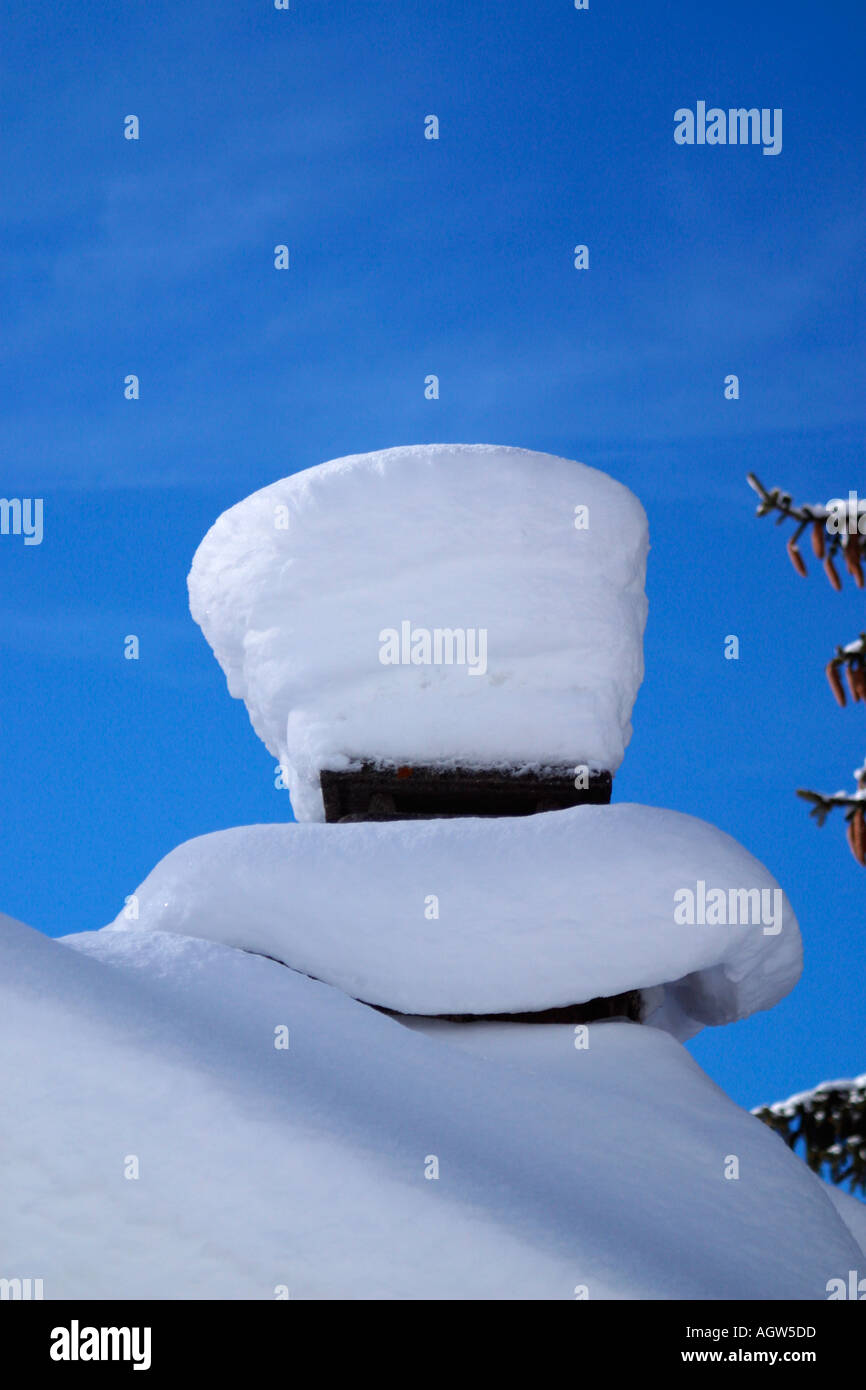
(411, 257)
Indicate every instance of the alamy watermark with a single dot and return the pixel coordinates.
(439, 646)
(853, 1288)
(77, 1343)
(846, 516)
(22, 516)
(738, 125)
(23, 1289)
(715, 907)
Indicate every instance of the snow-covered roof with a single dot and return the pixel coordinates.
(295, 586)
(483, 916)
(302, 1172)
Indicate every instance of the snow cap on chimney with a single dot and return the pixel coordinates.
(447, 604)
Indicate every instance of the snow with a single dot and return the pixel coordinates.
(853, 1213)
(164, 1144)
(304, 1168)
(534, 912)
(294, 586)
(812, 1098)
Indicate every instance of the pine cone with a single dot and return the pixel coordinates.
(851, 677)
(818, 544)
(832, 672)
(852, 560)
(796, 558)
(857, 835)
(830, 571)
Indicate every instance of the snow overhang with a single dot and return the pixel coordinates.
(488, 916)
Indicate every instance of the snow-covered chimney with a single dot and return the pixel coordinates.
(397, 620)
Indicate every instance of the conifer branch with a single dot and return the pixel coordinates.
(829, 540)
(830, 1124)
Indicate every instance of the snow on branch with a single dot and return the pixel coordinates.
(830, 1124)
(834, 529)
(855, 803)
